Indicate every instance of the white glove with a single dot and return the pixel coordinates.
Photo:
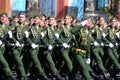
(50, 47)
(111, 45)
(117, 34)
(17, 44)
(42, 34)
(26, 34)
(10, 34)
(88, 60)
(22, 45)
(116, 44)
(104, 35)
(12, 44)
(33, 45)
(96, 43)
(102, 44)
(65, 45)
(57, 35)
(84, 23)
(0, 42)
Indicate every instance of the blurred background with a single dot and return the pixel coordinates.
(77, 8)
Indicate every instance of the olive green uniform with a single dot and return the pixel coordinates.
(34, 37)
(4, 64)
(81, 51)
(17, 49)
(48, 40)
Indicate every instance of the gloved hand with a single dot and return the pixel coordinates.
(26, 34)
(57, 35)
(10, 34)
(17, 44)
(111, 45)
(0, 42)
(103, 35)
(96, 43)
(88, 60)
(22, 45)
(65, 45)
(50, 47)
(117, 34)
(102, 44)
(33, 45)
(116, 44)
(42, 34)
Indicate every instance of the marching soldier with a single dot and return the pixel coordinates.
(3, 36)
(17, 41)
(34, 41)
(98, 39)
(112, 45)
(65, 35)
(49, 41)
(81, 50)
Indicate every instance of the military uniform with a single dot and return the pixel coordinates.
(17, 49)
(81, 51)
(112, 50)
(65, 35)
(48, 41)
(4, 64)
(97, 49)
(33, 42)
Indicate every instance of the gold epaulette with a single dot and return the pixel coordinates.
(80, 50)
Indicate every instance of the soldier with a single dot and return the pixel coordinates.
(98, 39)
(65, 40)
(112, 37)
(48, 41)
(33, 41)
(81, 50)
(17, 41)
(65, 35)
(3, 32)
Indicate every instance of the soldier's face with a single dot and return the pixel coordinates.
(3, 19)
(113, 23)
(101, 21)
(22, 18)
(51, 21)
(31, 21)
(46, 22)
(43, 18)
(67, 20)
(41, 23)
(37, 20)
(15, 20)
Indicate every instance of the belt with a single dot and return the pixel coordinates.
(80, 50)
